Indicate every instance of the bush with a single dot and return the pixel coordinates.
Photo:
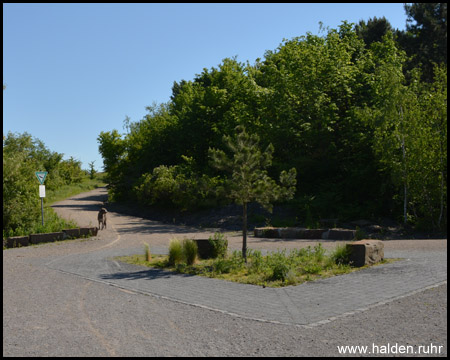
(190, 251)
(340, 255)
(175, 252)
(219, 243)
(279, 265)
(179, 187)
(222, 266)
(257, 263)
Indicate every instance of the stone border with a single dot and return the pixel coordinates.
(33, 239)
(303, 233)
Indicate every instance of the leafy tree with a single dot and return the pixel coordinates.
(20, 192)
(249, 180)
(23, 155)
(410, 134)
(113, 150)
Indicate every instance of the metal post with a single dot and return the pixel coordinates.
(42, 210)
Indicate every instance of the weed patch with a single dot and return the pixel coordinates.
(276, 269)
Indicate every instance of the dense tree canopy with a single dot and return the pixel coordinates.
(366, 135)
(23, 155)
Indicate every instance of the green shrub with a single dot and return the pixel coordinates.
(179, 187)
(340, 255)
(312, 268)
(222, 266)
(219, 243)
(175, 252)
(256, 261)
(236, 260)
(279, 265)
(190, 251)
(319, 252)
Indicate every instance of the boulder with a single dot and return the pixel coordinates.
(366, 252)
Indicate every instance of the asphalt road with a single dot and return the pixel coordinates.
(70, 299)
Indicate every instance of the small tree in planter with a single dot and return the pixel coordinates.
(249, 180)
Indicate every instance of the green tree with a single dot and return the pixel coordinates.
(20, 192)
(23, 155)
(92, 170)
(113, 150)
(249, 180)
(410, 134)
(373, 30)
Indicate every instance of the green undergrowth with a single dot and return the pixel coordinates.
(52, 222)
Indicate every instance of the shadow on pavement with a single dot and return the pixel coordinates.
(150, 274)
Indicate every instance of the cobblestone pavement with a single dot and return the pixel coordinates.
(310, 303)
(306, 304)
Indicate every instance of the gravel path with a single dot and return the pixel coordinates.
(48, 311)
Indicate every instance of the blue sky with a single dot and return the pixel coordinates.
(74, 70)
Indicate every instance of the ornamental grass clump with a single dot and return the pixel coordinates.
(190, 251)
(340, 255)
(175, 252)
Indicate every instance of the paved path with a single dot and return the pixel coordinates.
(306, 304)
(309, 305)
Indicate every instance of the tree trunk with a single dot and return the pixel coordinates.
(244, 232)
(405, 181)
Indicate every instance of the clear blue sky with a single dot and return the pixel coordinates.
(74, 70)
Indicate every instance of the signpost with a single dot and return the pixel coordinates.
(41, 175)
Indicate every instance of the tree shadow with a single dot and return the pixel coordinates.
(148, 274)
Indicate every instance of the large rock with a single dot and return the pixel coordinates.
(366, 252)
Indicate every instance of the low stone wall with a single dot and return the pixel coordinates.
(89, 231)
(42, 238)
(16, 241)
(339, 234)
(71, 233)
(19, 241)
(303, 233)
